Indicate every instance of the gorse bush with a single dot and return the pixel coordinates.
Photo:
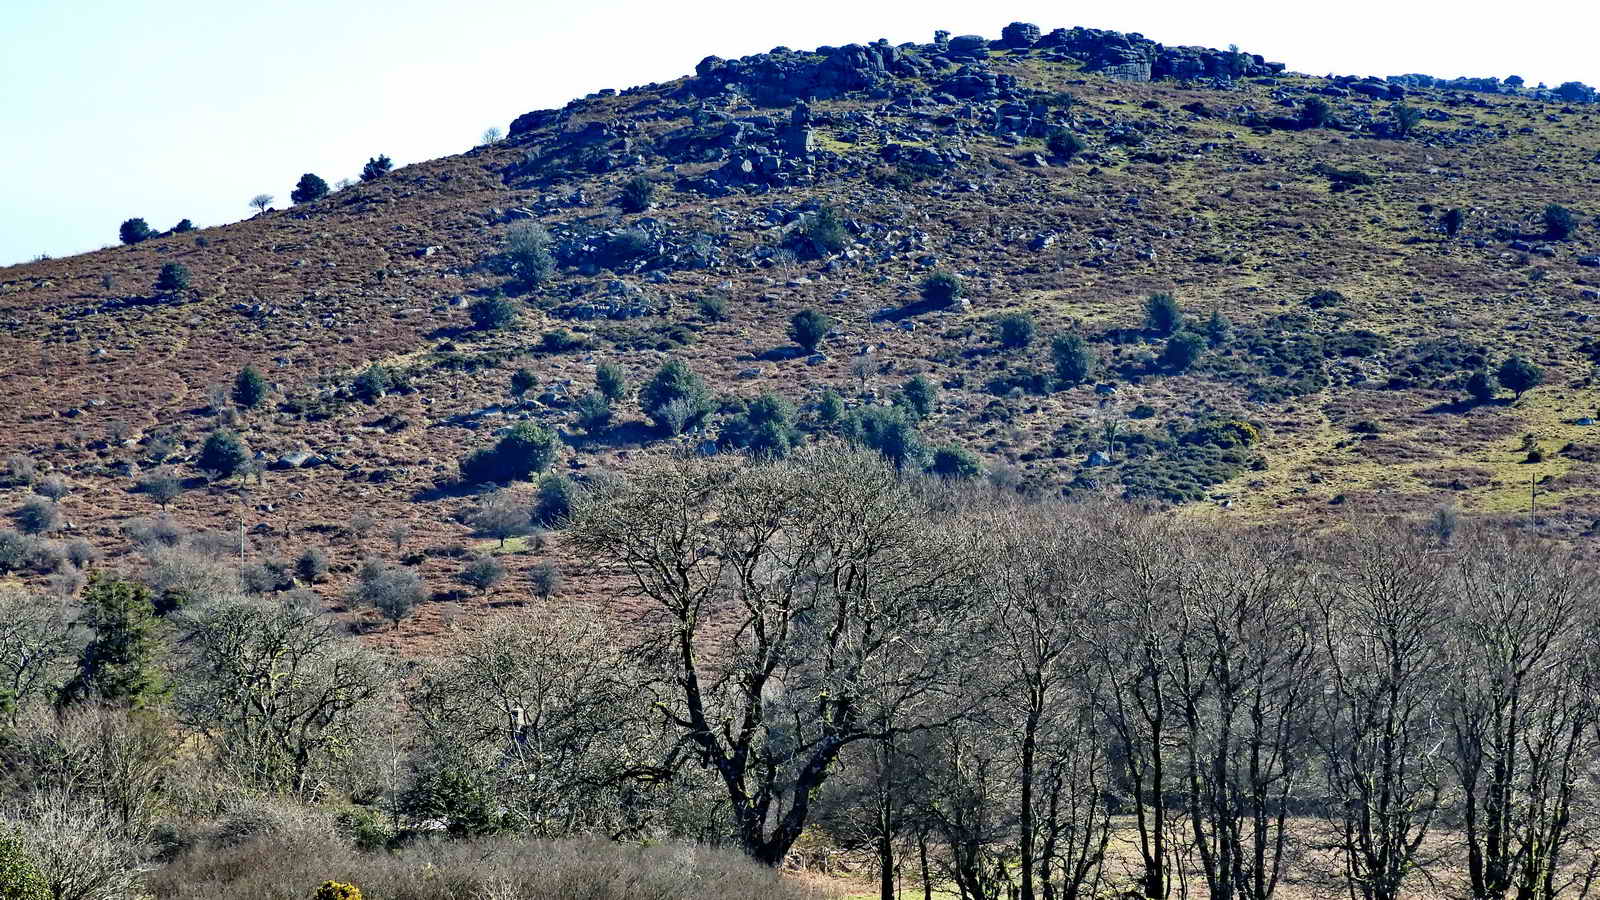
(527, 257)
(1063, 143)
(376, 167)
(249, 388)
(310, 188)
(224, 454)
(610, 381)
(1014, 331)
(637, 194)
(1075, 363)
(821, 233)
(675, 397)
(525, 450)
(942, 288)
(1559, 222)
(135, 230)
(808, 328)
(173, 277)
(336, 890)
(1161, 314)
(764, 428)
(493, 313)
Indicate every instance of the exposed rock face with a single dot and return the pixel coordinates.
(783, 77)
(1020, 34)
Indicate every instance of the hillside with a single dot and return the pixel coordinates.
(1301, 232)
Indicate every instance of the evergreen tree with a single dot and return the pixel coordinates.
(118, 664)
(309, 188)
(249, 388)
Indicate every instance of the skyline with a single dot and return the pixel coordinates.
(168, 110)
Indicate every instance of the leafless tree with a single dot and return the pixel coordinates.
(261, 202)
(501, 515)
(544, 704)
(1522, 706)
(1384, 628)
(808, 605)
(1245, 675)
(275, 688)
(35, 649)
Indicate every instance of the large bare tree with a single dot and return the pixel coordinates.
(1384, 625)
(803, 606)
(1522, 706)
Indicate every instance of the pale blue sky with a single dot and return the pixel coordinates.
(174, 108)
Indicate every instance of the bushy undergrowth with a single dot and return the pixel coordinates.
(269, 868)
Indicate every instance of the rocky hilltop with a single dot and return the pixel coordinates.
(1069, 261)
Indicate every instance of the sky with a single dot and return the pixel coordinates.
(171, 109)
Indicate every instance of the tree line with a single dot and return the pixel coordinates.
(1014, 697)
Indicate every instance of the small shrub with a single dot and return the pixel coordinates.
(38, 515)
(372, 384)
(522, 381)
(955, 463)
(174, 277)
(223, 454)
(545, 580)
(376, 167)
(1406, 118)
(675, 397)
(527, 258)
(918, 396)
(1014, 331)
(310, 188)
(560, 340)
(53, 486)
(1075, 363)
(808, 328)
(312, 565)
(821, 233)
(1482, 386)
(337, 890)
(394, 591)
(135, 230)
(1315, 112)
(553, 503)
(526, 449)
(714, 308)
(610, 381)
(764, 429)
(1182, 351)
(1161, 314)
(637, 194)
(1559, 222)
(1519, 375)
(249, 388)
(830, 409)
(594, 412)
(1063, 144)
(1219, 330)
(1452, 220)
(888, 430)
(482, 573)
(493, 313)
(941, 288)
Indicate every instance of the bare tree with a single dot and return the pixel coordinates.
(275, 688)
(1133, 644)
(807, 605)
(35, 649)
(501, 515)
(1522, 706)
(1045, 579)
(1245, 676)
(1384, 624)
(544, 705)
(261, 202)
